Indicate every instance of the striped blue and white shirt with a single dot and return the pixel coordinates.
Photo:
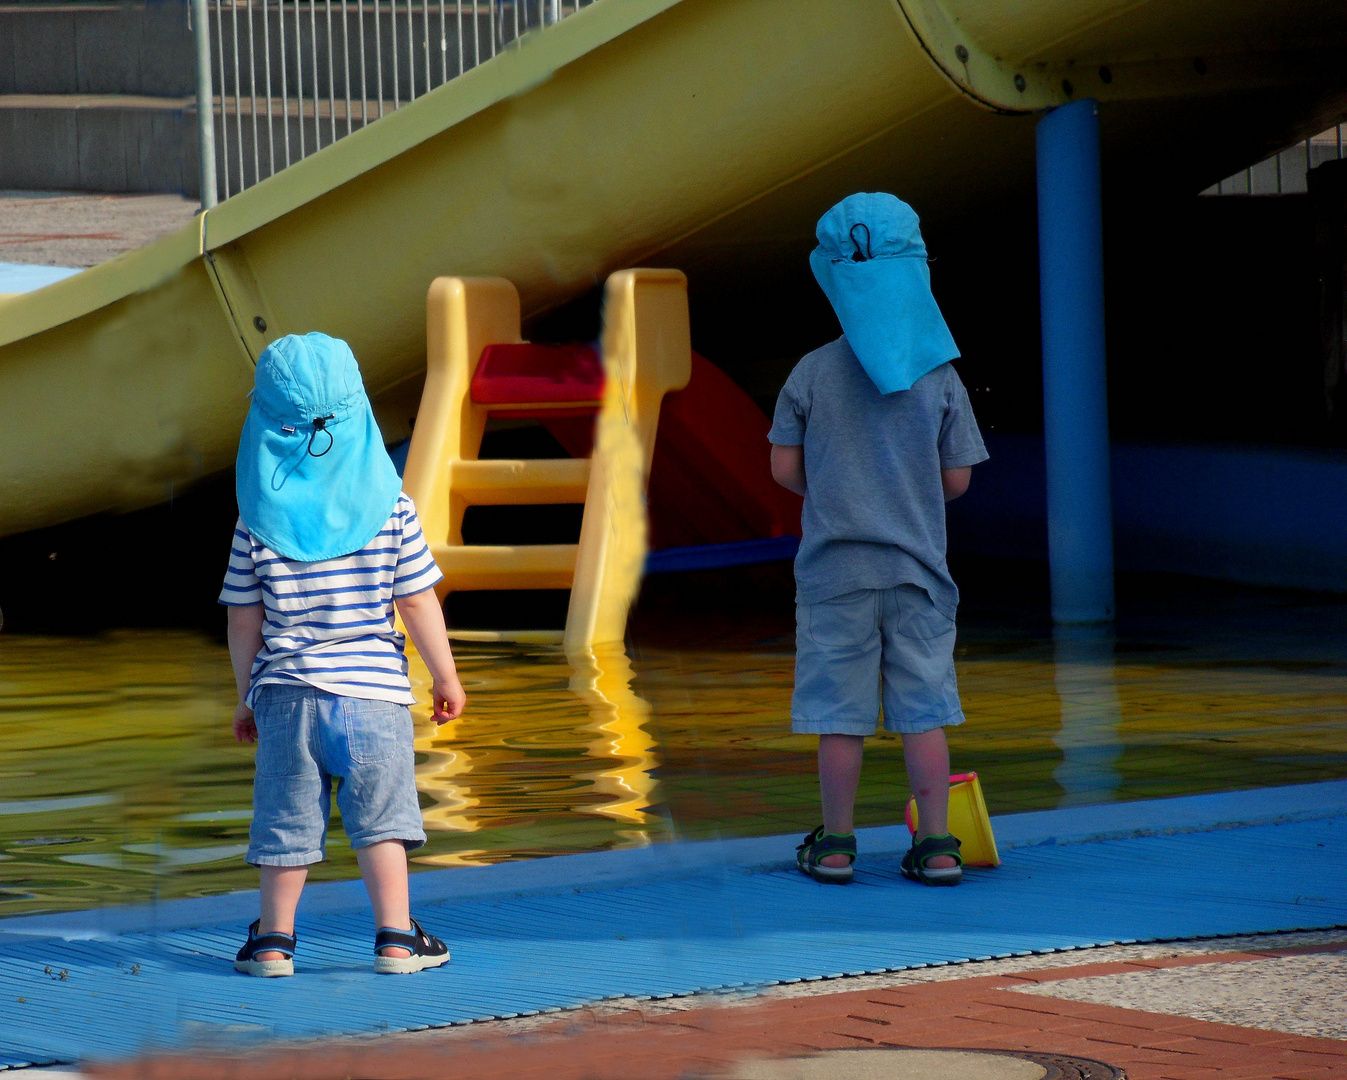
(329, 624)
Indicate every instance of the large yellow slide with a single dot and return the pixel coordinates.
(706, 135)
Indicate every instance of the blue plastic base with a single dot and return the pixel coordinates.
(718, 556)
(721, 921)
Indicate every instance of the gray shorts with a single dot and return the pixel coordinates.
(856, 649)
(306, 737)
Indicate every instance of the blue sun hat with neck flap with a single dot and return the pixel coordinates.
(871, 263)
(313, 478)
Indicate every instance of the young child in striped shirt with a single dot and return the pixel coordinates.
(327, 546)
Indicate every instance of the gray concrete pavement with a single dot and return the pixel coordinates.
(52, 228)
(1302, 995)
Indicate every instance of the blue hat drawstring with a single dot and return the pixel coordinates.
(858, 257)
(320, 424)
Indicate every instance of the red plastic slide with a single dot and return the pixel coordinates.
(711, 482)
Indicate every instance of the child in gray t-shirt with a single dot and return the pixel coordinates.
(880, 425)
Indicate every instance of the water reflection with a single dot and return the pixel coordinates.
(522, 719)
(443, 767)
(602, 679)
(1091, 715)
(120, 780)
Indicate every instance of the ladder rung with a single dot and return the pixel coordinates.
(526, 566)
(501, 483)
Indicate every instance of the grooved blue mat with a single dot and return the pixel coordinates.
(63, 1000)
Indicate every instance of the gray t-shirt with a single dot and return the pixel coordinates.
(874, 508)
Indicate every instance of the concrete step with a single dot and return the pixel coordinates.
(101, 96)
(139, 143)
(147, 48)
(96, 48)
(98, 142)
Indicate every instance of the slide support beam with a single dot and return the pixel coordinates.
(1075, 391)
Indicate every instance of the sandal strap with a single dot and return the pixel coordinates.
(427, 944)
(937, 845)
(809, 840)
(415, 940)
(402, 939)
(819, 844)
(272, 941)
(835, 844)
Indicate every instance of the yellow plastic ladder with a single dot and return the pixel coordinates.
(646, 354)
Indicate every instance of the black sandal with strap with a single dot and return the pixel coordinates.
(914, 862)
(427, 951)
(260, 943)
(818, 845)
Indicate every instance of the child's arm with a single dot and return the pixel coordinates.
(245, 642)
(424, 619)
(955, 481)
(788, 467)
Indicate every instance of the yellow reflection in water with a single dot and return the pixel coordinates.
(120, 780)
(442, 773)
(533, 712)
(602, 679)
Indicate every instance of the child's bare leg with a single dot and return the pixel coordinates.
(384, 868)
(839, 775)
(927, 757)
(281, 886)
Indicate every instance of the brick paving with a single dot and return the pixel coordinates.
(1297, 994)
(653, 1042)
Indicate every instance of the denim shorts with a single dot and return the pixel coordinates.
(306, 738)
(861, 649)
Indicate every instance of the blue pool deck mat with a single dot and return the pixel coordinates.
(671, 920)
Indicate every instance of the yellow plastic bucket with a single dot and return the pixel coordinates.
(968, 820)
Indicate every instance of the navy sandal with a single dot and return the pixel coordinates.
(819, 844)
(427, 951)
(260, 943)
(914, 862)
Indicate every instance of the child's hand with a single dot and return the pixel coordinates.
(245, 727)
(448, 698)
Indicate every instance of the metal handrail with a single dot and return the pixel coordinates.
(1284, 173)
(316, 80)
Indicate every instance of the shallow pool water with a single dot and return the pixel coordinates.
(120, 780)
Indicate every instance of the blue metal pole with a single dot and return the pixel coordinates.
(1075, 392)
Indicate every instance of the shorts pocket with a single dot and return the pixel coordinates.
(278, 731)
(918, 617)
(846, 621)
(376, 730)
